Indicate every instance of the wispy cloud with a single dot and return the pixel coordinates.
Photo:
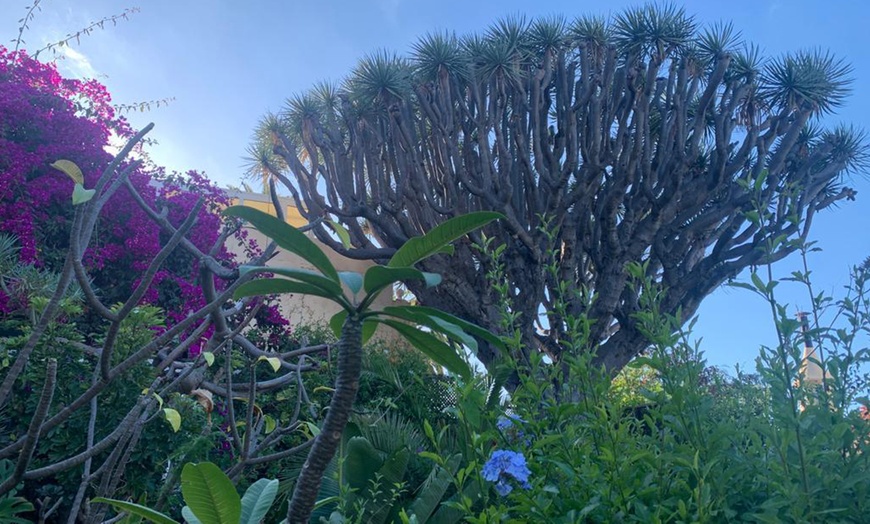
(76, 63)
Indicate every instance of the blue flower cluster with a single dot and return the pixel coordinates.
(507, 422)
(504, 468)
(511, 427)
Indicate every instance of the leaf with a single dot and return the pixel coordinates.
(286, 236)
(413, 314)
(379, 277)
(270, 425)
(209, 357)
(313, 429)
(418, 248)
(71, 169)
(80, 195)
(11, 506)
(434, 488)
(468, 327)
(275, 362)
(432, 279)
(205, 399)
(189, 516)
(342, 233)
(368, 328)
(257, 500)
(136, 509)
(303, 275)
(352, 279)
(361, 462)
(173, 417)
(274, 286)
(337, 321)
(438, 351)
(210, 494)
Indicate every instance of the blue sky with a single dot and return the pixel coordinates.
(228, 62)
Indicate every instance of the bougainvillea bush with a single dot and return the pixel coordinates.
(45, 117)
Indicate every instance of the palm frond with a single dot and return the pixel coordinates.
(8, 253)
(389, 432)
(380, 76)
(549, 34)
(814, 81)
(590, 31)
(848, 145)
(718, 40)
(656, 30)
(437, 52)
(629, 30)
(746, 64)
(504, 49)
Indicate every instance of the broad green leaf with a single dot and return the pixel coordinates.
(418, 248)
(432, 279)
(210, 494)
(286, 236)
(209, 357)
(361, 461)
(257, 500)
(413, 314)
(71, 169)
(270, 425)
(275, 362)
(379, 277)
(274, 286)
(325, 502)
(189, 517)
(313, 429)
(434, 488)
(80, 195)
(10, 506)
(337, 321)
(438, 351)
(159, 399)
(302, 275)
(368, 330)
(341, 232)
(173, 417)
(352, 279)
(468, 327)
(136, 509)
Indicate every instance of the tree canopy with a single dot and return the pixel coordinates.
(643, 138)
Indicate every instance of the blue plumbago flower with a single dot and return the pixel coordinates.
(507, 422)
(505, 466)
(511, 428)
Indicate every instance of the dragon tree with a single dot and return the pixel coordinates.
(642, 138)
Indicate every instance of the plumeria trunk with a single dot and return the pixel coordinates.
(326, 443)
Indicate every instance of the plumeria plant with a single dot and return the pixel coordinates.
(355, 293)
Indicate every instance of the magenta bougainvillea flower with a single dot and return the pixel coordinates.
(45, 117)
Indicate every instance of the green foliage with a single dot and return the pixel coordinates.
(356, 320)
(699, 447)
(210, 498)
(11, 505)
(326, 282)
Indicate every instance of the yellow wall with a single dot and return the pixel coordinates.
(294, 217)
